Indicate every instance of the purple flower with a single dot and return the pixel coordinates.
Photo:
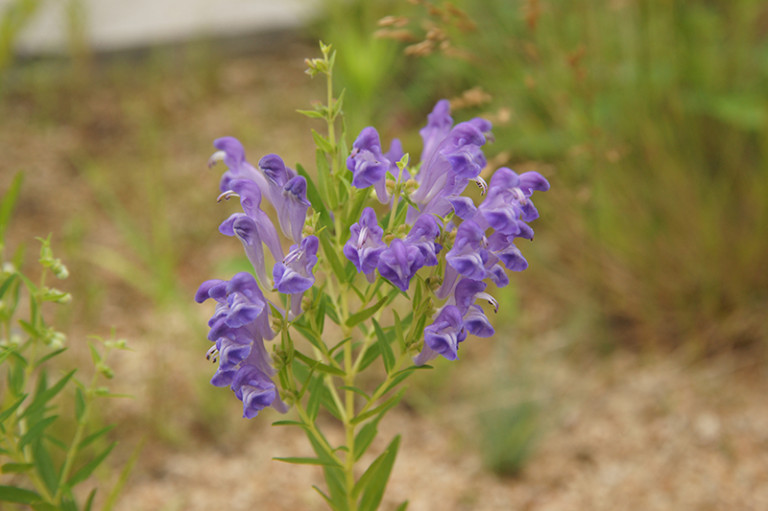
(452, 156)
(239, 326)
(443, 336)
(365, 245)
(503, 248)
(423, 235)
(468, 255)
(475, 321)
(288, 194)
(507, 207)
(439, 123)
(366, 162)
(231, 152)
(256, 390)
(399, 263)
(252, 228)
(294, 273)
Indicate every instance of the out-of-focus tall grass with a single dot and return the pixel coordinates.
(651, 121)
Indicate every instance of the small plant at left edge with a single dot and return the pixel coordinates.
(46, 450)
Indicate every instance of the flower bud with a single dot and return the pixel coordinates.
(105, 370)
(411, 185)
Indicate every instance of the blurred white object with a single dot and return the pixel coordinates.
(126, 24)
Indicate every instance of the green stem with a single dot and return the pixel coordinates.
(79, 432)
(379, 392)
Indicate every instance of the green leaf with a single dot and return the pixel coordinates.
(313, 403)
(318, 366)
(89, 501)
(331, 255)
(384, 348)
(36, 431)
(322, 305)
(365, 436)
(356, 390)
(44, 467)
(327, 189)
(18, 495)
(361, 198)
(330, 309)
(402, 375)
(334, 478)
(122, 478)
(289, 423)
(315, 198)
(7, 204)
(15, 468)
(85, 442)
(308, 461)
(8, 411)
(381, 409)
(7, 283)
(67, 504)
(87, 469)
(49, 356)
(325, 497)
(322, 143)
(79, 404)
(402, 507)
(336, 107)
(399, 332)
(370, 355)
(312, 114)
(43, 397)
(309, 335)
(374, 480)
(364, 314)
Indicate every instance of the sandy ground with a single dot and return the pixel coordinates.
(625, 434)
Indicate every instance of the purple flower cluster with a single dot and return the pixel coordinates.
(240, 323)
(239, 327)
(483, 235)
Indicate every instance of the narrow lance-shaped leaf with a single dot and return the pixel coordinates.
(313, 194)
(319, 366)
(7, 203)
(79, 404)
(44, 466)
(374, 480)
(18, 495)
(36, 431)
(87, 469)
(11, 409)
(94, 436)
(384, 348)
(386, 405)
(330, 254)
(364, 314)
(15, 468)
(308, 461)
(43, 397)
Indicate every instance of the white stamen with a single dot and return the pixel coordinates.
(216, 158)
(489, 299)
(226, 195)
(482, 184)
(212, 355)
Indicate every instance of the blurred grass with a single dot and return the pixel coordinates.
(651, 121)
